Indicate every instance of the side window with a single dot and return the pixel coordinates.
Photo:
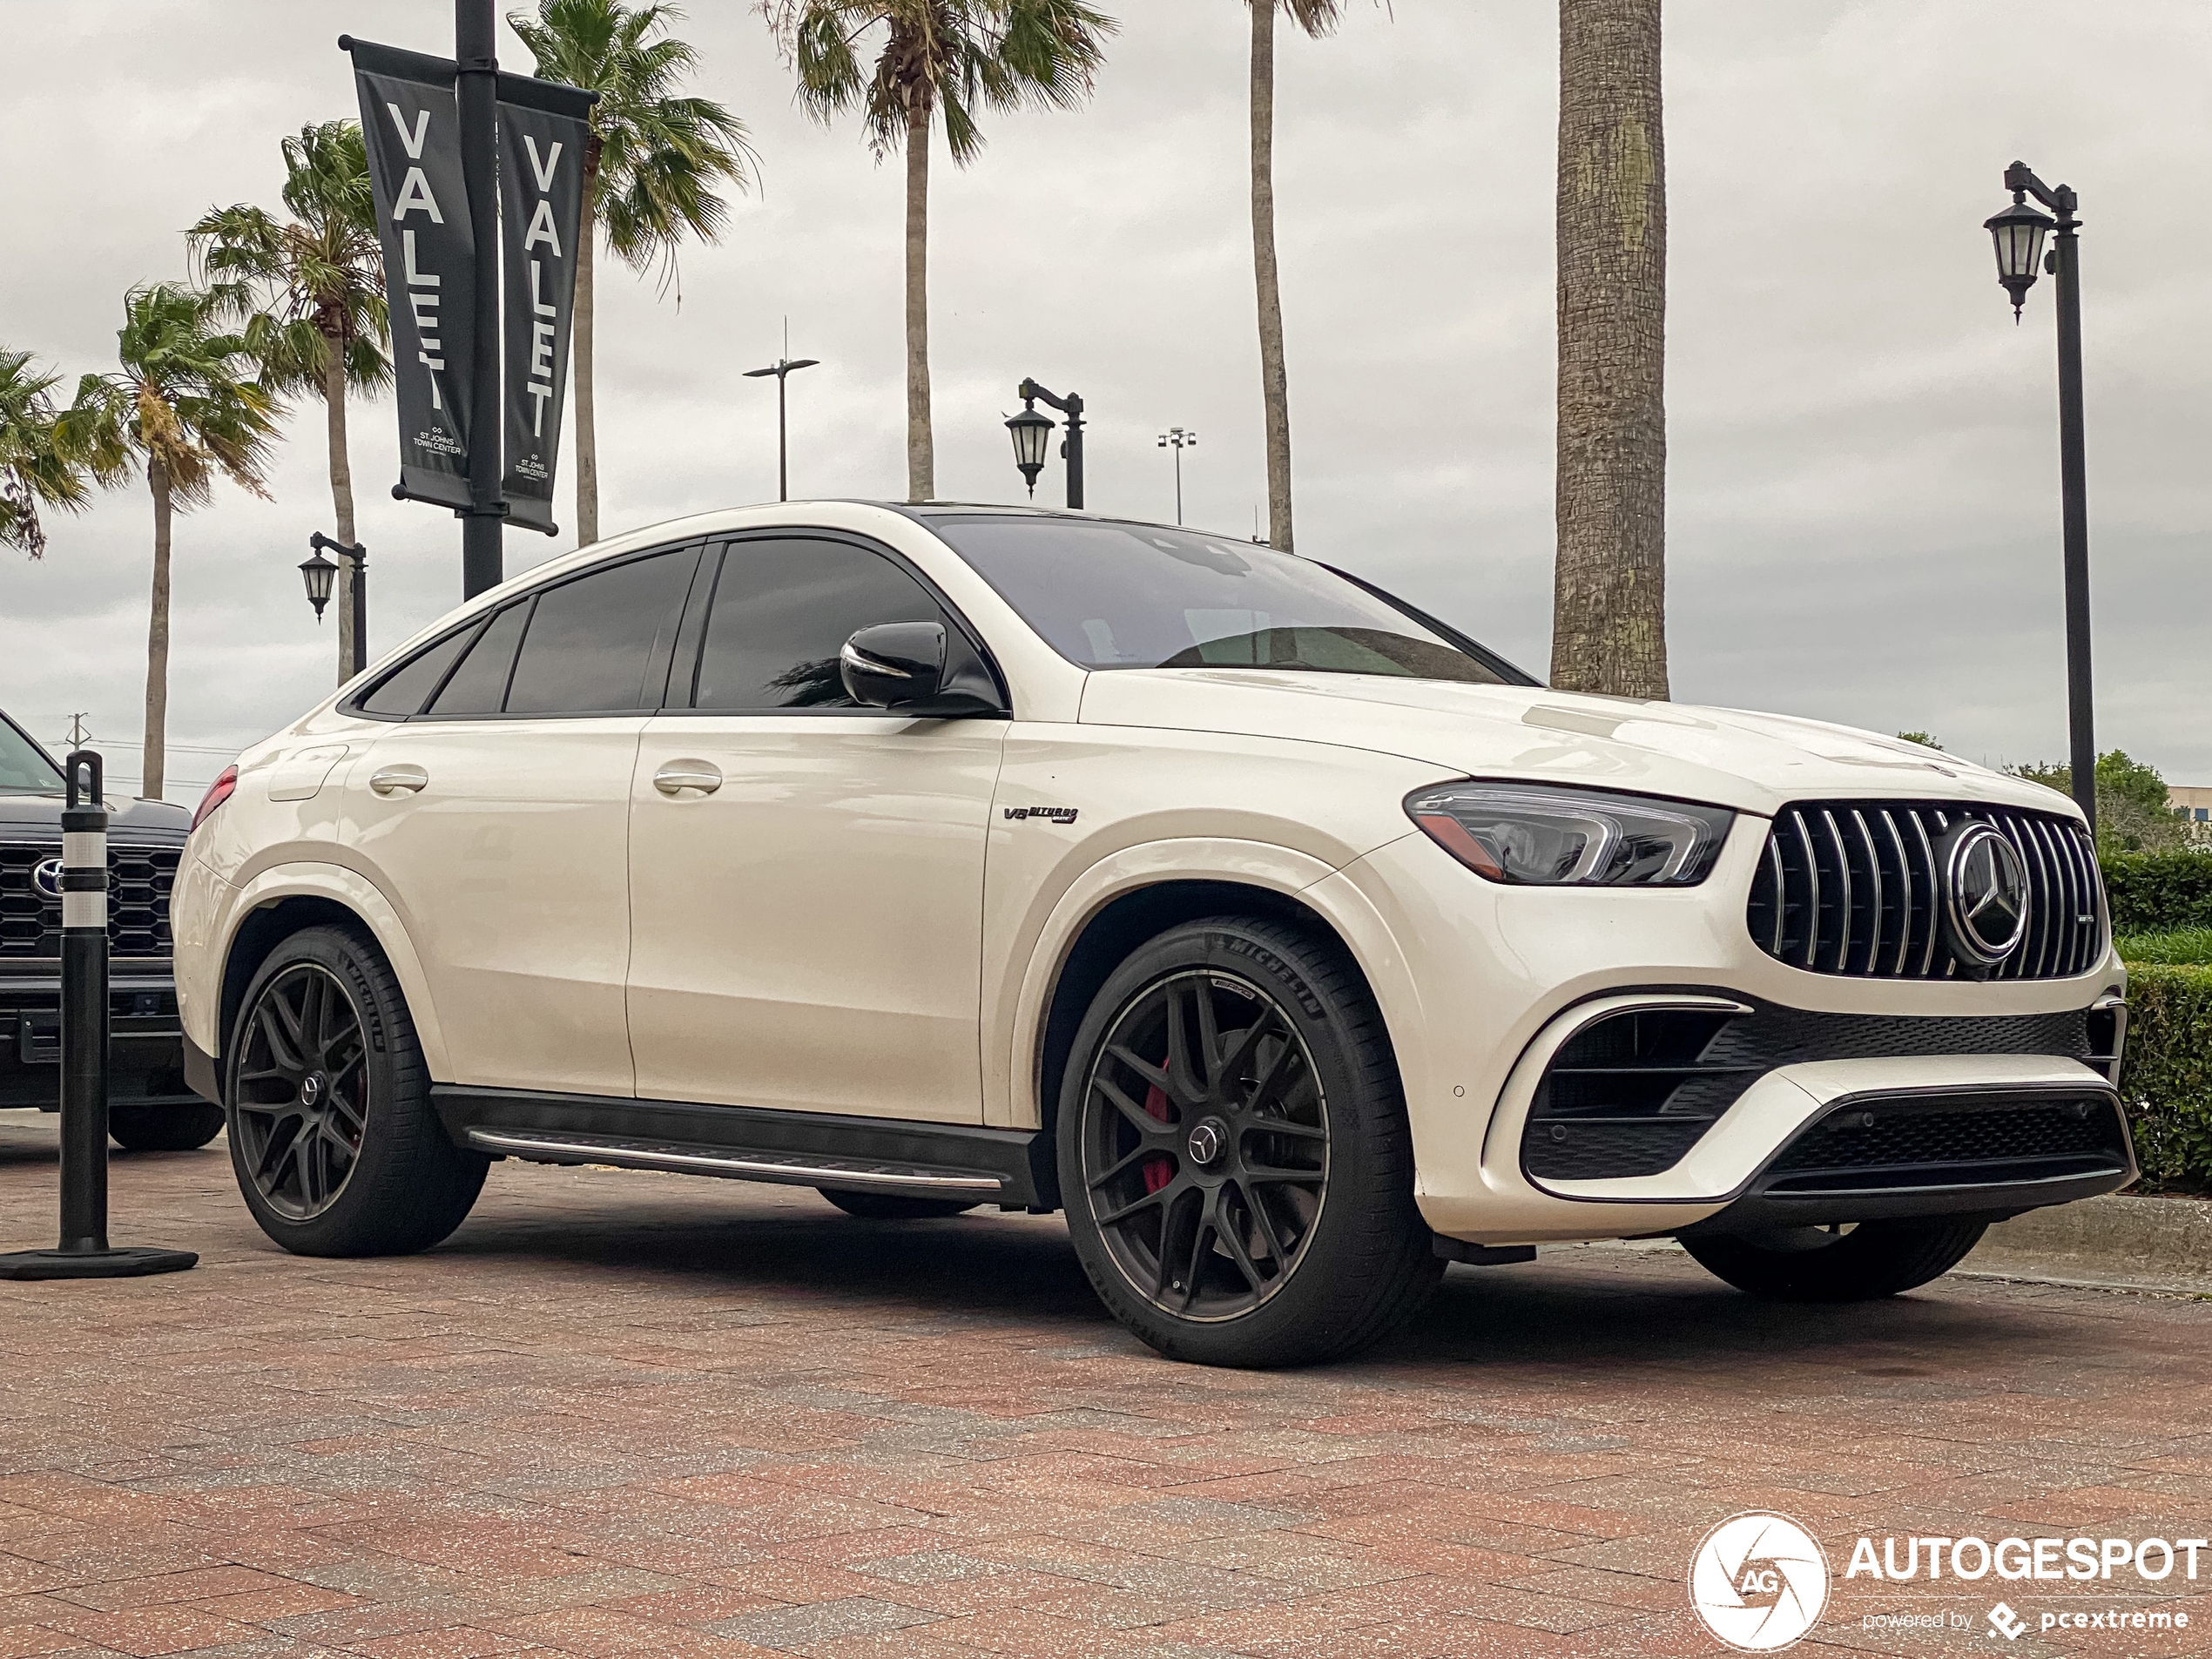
(402, 690)
(593, 642)
(479, 686)
(782, 613)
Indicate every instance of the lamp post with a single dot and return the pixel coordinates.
(1030, 429)
(321, 576)
(1177, 439)
(2018, 232)
(783, 368)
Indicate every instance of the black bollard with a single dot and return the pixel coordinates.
(85, 1252)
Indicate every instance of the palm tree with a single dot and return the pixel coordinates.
(186, 403)
(963, 55)
(310, 294)
(1610, 599)
(50, 458)
(650, 166)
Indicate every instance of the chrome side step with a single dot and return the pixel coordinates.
(809, 1171)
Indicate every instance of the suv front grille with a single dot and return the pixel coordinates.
(1849, 887)
(139, 880)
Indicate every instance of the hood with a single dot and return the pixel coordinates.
(1727, 757)
(126, 814)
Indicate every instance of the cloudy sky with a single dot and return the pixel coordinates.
(1863, 523)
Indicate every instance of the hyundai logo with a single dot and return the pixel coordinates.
(46, 876)
(1986, 898)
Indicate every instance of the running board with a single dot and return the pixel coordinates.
(701, 1160)
(970, 1162)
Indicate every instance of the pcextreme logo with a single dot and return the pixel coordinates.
(1758, 1581)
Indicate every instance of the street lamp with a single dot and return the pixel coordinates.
(2018, 234)
(1029, 429)
(1031, 433)
(783, 368)
(1178, 439)
(321, 575)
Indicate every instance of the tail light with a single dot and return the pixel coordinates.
(218, 792)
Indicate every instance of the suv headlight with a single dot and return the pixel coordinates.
(1545, 835)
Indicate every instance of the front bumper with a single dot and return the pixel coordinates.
(146, 1054)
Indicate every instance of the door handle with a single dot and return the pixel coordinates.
(401, 779)
(679, 776)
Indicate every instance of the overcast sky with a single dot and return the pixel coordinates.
(1863, 520)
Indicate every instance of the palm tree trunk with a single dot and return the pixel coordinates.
(341, 494)
(587, 430)
(153, 774)
(1274, 378)
(922, 446)
(1608, 607)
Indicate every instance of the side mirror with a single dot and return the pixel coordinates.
(893, 663)
(912, 667)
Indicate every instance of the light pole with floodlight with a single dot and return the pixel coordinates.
(783, 368)
(1178, 439)
(2018, 232)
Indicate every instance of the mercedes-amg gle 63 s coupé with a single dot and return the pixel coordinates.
(1288, 939)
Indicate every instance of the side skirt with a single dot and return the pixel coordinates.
(956, 1161)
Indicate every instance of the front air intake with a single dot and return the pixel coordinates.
(1851, 887)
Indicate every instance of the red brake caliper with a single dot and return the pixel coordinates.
(1159, 1168)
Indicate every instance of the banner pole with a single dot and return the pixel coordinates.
(476, 93)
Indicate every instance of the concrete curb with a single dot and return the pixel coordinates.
(2121, 1243)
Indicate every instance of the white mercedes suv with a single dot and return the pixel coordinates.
(1288, 939)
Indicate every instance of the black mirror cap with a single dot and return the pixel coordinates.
(916, 669)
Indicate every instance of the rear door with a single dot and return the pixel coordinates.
(806, 876)
(496, 818)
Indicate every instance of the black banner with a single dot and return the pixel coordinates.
(541, 135)
(414, 141)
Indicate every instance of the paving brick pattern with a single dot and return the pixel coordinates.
(626, 1414)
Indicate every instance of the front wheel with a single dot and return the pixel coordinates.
(337, 1148)
(892, 1206)
(1856, 1264)
(1234, 1154)
(163, 1129)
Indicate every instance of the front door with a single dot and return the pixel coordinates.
(807, 877)
(496, 818)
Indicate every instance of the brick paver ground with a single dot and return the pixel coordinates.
(627, 1414)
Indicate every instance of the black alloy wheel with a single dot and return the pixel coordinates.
(142, 1128)
(1205, 1144)
(301, 1091)
(336, 1145)
(1859, 1263)
(1235, 1159)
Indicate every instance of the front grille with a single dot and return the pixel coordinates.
(1630, 1094)
(1849, 887)
(140, 877)
(1962, 1140)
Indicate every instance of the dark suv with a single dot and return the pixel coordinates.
(150, 1108)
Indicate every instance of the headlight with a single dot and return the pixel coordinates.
(1540, 835)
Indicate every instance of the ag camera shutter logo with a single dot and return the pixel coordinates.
(1758, 1581)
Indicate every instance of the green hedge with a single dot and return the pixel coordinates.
(2156, 892)
(2167, 1080)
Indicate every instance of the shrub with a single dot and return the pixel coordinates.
(2167, 1079)
(2156, 892)
(2183, 946)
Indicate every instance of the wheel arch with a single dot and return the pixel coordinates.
(1117, 920)
(289, 899)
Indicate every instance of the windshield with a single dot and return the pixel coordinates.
(1136, 595)
(24, 769)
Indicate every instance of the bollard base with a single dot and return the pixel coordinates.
(131, 1261)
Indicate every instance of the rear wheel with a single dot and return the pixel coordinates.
(892, 1206)
(163, 1129)
(1852, 1263)
(1234, 1155)
(337, 1148)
